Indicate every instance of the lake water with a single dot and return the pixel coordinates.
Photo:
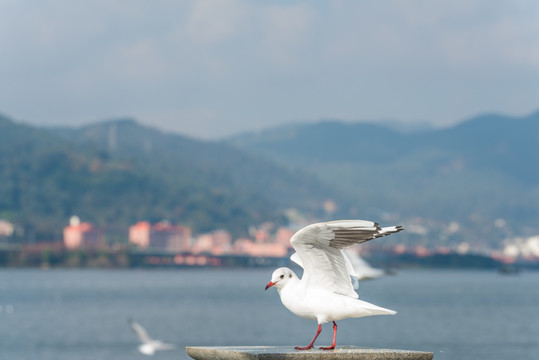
(82, 314)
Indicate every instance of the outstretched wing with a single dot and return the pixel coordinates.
(319, 248)
(140, 331)
(352, 271)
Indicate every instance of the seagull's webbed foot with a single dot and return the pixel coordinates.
(327, 347)
(311, 344)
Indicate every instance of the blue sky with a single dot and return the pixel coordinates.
(214, 68)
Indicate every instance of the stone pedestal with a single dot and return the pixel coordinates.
(289, 353)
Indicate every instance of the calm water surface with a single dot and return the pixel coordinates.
(82, 314)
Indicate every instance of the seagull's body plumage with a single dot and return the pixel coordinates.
(325, 292)
(148, 345)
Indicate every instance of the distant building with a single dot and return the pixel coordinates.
(161, 236)
(249, 247)
(520, 247)
(283, 236)
(139, 234)
(217, 242)
(6, 230)
(82, 235)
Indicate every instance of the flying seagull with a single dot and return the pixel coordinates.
(362, 269)
(148, 345)
(325, 292)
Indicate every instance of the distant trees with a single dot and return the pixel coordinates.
(48, 176)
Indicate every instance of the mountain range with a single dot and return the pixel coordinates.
(480, 170)
(118, 172)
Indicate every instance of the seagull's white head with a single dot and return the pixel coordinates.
(281, 277)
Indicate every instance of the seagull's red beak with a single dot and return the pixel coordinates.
(270, 284)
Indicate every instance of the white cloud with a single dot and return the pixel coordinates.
(285, 33)
(137, 64)
(210, 22)
(234, 64)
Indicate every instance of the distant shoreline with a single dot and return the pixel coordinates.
(129, 259)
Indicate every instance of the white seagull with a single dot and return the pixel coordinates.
(362, 269)
(148, 345)
(325, 292)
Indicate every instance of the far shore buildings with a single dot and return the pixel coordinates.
(160, 236)
(264, 241)
(6, 231)
(82, 235)
(6, 228)
(177, 238)
(218, 242)
(265, 244)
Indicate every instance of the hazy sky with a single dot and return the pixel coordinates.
(213, 68)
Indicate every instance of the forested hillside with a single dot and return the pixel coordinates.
(116, 173)
(483, 168)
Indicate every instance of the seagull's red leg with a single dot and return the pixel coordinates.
(312, 342)
(334, 335)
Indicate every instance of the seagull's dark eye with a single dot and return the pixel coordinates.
(289, 275)
(282, 276)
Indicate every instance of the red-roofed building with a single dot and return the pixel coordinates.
(6, 231)
(217, 242)
(82, 235)
(161, 236)
(283, 236)
(6, 228)
(139, 234)
(249, 247)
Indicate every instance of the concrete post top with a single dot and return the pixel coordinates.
(289, 353)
